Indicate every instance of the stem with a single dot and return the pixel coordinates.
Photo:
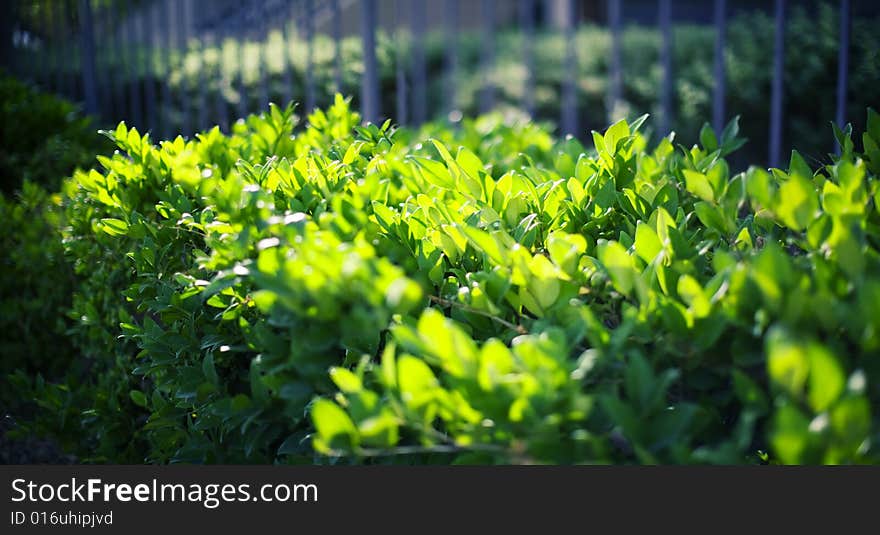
(512, 326)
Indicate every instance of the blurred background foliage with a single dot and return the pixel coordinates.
(209, 83)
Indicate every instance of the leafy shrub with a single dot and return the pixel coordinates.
(482, 295)
(42, 138)
(36, 284)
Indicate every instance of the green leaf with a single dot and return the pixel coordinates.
(483, 242)
(114, 227)
(620, 266)
(334, 429)
(647, 243)
(209, 370)
(416, 381)
(434, 172)
(698, 184)
(798, 166)
(692, 294)
(798, 202)
(790, 435)
(827, 378)
(874, 125)
(788, 362)
(138, 398)
(469, 162)
(345, 380)
(615, 133)
(711, 216)
(708, 139)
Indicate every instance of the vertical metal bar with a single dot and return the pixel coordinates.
(102, 67)
(527, 23)
(310, 52)
(69, 56)
(171, 44)
(243, 103)
(616, 77)
(148, 66)
(118, 71)
(224, 80)
(776, 92)
(843, 65)
(87, 44)
(163, 37)
(370, 83)
(183, 45)
(202, 103)
(569, 119)
(134, 83)
(222, 117)
(665, 23)
(451, 54)
(262, 67)
(337, 41)
(287, 72)
(45, 34)
(419, 74)
(720, 72)
(487, 57)
(7, 24)
(402, 95)
(58, 45)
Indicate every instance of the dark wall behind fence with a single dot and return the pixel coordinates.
(178, 66)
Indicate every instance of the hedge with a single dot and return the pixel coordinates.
(488, 294)
(42, 138)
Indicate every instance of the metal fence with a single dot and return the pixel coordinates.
(91, 50)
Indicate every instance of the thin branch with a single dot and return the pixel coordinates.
(501, 321)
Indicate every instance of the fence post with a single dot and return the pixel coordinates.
(451, 54)
(419, 75)
(202, 102)
(57, 16)
(370, 83)
(222, 117)
(776, 93)
(399, 67)
(337, 38)
(843, 66)
(718, 113)
(487, 58)
(135, 99)
(161, 14)
(68, 56)
(87, 35)
(7, 14)
(310, 52)
(262, 65)
(287, 72)
(665, 16)
(569, 119)
(147, 34)
(616, 62)
(527, 22)
(182, 43)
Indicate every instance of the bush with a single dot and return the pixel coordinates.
(36, 284)
(479, 295)
(43, 138)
